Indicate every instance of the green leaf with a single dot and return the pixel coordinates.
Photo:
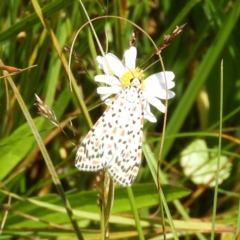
(31, 20)
(86, 202)
(201, 166)
(16, 146)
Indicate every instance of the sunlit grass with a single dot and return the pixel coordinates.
(30, 187)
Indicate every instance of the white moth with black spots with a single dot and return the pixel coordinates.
(115, 141)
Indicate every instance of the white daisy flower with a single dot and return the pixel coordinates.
(118, 75)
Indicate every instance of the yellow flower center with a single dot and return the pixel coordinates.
(126, 78)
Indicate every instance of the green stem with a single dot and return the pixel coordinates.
(135, 213)
(46, 157)
(219, 156)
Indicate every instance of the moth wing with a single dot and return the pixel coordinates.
(91, 152)
(126, 160)
(115, 141)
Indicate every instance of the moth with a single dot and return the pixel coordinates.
(115, 141)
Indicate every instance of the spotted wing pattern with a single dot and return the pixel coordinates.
(115, 141)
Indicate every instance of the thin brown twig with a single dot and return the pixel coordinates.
(77, 58)
(166, 41)
(132, 40)
(48, 113)
(168, 38)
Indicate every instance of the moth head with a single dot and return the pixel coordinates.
(135, 82)
(133, 77)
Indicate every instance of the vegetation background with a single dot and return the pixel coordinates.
(33, 201)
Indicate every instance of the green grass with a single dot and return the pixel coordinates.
(42, 194)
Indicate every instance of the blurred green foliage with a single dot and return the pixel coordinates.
(211, 35)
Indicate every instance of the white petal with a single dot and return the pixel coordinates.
(130, 56)
(109, 101)
(104, 96)
(108, 90)
(110, 80)
(102, 65)
(150, 118)
(159, 93)
(157, 103)
(155, 85)
(158, 80)
(115, 64)
(148, 114)
(162, 94)
(112, 62)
